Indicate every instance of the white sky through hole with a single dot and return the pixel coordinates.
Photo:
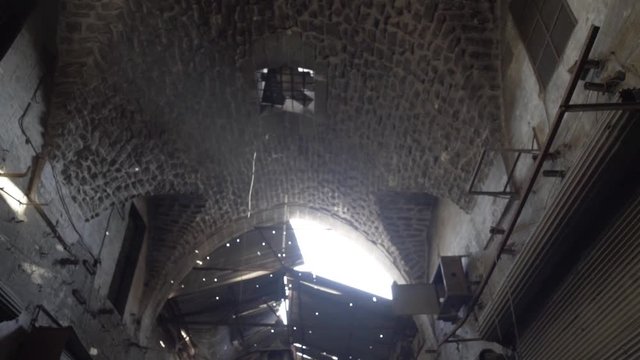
(13, 196)
(329, 254)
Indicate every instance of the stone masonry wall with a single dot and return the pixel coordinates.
(34, 265)
(158, 97)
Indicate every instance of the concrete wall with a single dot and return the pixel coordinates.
(30, 254)
(528, 106)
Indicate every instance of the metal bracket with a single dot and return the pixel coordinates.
(589, 64)
(496, 230)
(554, 173)
(89, 267)
(608, 86)
(504, 192)
(79, 297)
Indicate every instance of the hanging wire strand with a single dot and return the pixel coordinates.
(253, 174)
(55, 177)
(67, 212)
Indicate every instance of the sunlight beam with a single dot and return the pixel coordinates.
(14, 197)
(329, 254)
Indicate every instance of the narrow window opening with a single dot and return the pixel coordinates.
(127, 261)
(287, 89)
(545, 27)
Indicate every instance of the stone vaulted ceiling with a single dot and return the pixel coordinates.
(158, 97)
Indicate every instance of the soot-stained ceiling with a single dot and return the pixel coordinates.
(158, 98)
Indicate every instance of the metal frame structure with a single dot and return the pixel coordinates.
(504, 192)
(564, 108)
(278, 85)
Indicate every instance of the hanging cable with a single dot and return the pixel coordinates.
(38, 208)
(67, 212)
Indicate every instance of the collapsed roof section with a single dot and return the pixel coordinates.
(249, 288)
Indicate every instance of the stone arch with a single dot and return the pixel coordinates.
(157, 296)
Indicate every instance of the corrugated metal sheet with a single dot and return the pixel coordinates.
(594, 314)
(10, 305)
(530, 265)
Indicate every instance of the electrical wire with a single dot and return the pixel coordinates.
(65, 208)
(57, 185)
(26, 110)
(253, 174)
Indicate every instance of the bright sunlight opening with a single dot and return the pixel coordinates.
(331, 255)
(14, 197)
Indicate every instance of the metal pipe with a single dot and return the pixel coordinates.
(493, 193)
(621, 106)
(41, 309)
(553, 132)
(597, 87)
(521, 151)
(464, 340)
(226, 323)
(16, 175)
(504, 192)
(228, 269)
(511, 172)
(276, 325)
(476, 172)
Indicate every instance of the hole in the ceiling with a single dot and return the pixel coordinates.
(286, 88)
(332, 255)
